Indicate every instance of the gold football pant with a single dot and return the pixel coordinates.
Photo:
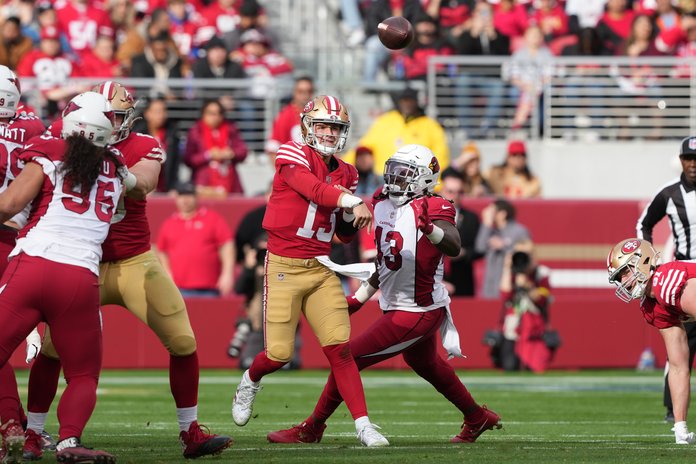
(295, 286)
(141, 285)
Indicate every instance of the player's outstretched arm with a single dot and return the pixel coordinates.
(20, 192)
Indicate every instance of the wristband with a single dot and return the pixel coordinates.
(348, 217)
(129, 181)
(436, 235)
(365, 292)
(349, 201)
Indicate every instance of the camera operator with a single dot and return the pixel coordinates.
(247, 341)
(526, 295)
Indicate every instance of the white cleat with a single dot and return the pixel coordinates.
(686, 439)
(243, 403)
(370, 437)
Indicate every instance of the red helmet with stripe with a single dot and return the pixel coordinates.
(327, 110)
(124, 108)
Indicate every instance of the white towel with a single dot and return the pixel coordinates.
(450, 336)
(361, 271)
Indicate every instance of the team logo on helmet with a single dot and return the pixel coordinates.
(692, 142)
(15, 81)
(434, 166)
(309, 106)
(630, 246)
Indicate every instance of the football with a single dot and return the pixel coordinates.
(395, 33)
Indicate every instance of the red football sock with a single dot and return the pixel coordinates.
(262, 365)
(440, 374)
(345, 371)
(10, 406)
(43, 383)
(183, 379)
(76, 405)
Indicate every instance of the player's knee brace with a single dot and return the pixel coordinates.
(182, 345)
(280, 352)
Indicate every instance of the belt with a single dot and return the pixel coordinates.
(303, 262)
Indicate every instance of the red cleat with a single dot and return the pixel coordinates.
(471, 431)
(303, 433)
(33, 446)
(71, 451)
(198, 442)
(12, 442)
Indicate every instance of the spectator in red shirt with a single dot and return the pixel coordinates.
(52, 70)
(510, 19)
(185, 22)
(83, 22)
(286, 126)
(195, 247)
(614, 26)
(100, 61)
(449, 13)
(218, 18)
(551, 18)
(263, 65)
(413, 63)
(213, 149)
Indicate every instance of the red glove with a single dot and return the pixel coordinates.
(423, 222)
(353, 304)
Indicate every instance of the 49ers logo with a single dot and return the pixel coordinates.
(630, 246)
(309, 106)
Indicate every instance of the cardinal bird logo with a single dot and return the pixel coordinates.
(15, 81)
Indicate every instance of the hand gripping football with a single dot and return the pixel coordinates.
(395, 32)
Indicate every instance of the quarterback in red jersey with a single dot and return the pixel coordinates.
(310, 188)
(667, 294)
(74, 185)
(131, 276)
(413, 229)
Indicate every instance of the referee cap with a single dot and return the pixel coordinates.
(688, 147)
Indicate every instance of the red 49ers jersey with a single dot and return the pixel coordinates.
(410, 267)
(130, 233)
(664, 310)
(67, 225)
(296, 226)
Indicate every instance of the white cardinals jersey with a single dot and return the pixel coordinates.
(67, 224)
(410, 267)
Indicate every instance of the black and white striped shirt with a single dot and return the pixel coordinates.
(677, 201)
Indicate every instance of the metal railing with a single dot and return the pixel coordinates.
(589, 98)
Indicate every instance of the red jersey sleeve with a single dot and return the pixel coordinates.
(294, 167)
(441, 209)
(149, 148)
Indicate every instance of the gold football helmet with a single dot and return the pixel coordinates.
(124, 108)
(328, 110)
(637, 258)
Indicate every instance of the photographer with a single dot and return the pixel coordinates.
(526, 295)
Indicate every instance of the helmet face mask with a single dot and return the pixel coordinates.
(10, 92)
(326, 110)
(631, 264)
(409, 173)
(123, 104)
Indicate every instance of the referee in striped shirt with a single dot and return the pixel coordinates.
(677, 201)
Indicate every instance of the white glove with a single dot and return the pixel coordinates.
(682, 436)
(33, 345)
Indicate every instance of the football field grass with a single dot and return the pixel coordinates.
(573, 417)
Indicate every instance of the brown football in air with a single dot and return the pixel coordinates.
(395, 33)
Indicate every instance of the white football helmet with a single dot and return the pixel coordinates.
(90, 115)
(636, 257)
(409, 173)
(10, 92)
(328, 110)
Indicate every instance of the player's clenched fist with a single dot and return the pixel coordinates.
(363, 217)
(424, 223)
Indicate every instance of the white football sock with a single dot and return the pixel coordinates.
(185, 416)
(36, 421)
